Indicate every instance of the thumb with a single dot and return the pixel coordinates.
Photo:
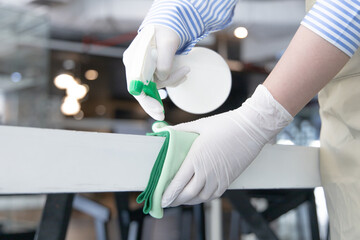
(179, 182)
(175, 78)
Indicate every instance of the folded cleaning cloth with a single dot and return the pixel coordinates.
(173, 152)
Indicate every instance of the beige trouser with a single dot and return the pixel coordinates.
(340, 149)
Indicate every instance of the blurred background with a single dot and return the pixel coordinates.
(61, 67)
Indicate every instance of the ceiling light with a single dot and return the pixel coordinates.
(69, 64)
(64, 81)
(16, 77)
(77, 91)
(241, 32)
(100, 110)
(70, 106)
(91, 74)
(79, 115)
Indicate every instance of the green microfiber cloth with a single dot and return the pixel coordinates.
(173, 152)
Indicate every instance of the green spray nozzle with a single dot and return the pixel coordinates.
(136, 86)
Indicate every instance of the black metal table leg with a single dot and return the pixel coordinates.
(314, 225)
(186, 222)
(130, 221)
(199, 216)
(55, 217)
(122, 206)
(255, 220)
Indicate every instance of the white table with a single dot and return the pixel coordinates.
(37, 160)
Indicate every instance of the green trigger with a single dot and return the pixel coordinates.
(136, 86)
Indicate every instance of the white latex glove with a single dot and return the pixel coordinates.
(227, 144)
(149, 58)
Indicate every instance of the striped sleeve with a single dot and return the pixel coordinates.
(337, 21)
(191, 19)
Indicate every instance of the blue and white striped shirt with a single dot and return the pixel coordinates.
(191, 19)
(337, 21)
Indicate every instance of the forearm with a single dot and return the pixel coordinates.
(307, 65)
(329, 35)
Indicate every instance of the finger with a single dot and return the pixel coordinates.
(159, 126)
(207, 193)
(166, 49)
(151, 106)
(181, 179)
(205, 171)
(194, 185)
(174, 79)
(191, 190)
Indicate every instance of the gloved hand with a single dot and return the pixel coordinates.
(226, 145)
(149, 60)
